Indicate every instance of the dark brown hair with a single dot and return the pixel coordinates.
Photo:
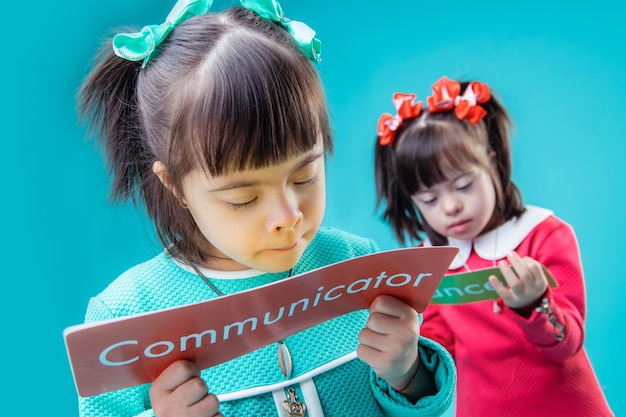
(426, 148)
(224, 92)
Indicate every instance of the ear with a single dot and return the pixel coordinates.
(161, 171)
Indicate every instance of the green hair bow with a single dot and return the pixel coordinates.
(140, 45)
(301, 32)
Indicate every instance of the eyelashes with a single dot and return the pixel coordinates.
(428, 200)
(300, 184)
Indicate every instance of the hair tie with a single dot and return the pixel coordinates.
(466, 107)
(388, 124)
(140, 45)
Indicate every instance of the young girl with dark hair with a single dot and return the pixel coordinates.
(218, 123)
(444, 175)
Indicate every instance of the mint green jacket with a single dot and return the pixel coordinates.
(327, 375)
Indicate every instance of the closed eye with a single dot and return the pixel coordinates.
(237, 206)
(465, 186)
(308, 182)
(428, 200)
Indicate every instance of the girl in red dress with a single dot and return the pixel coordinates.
(444, 173)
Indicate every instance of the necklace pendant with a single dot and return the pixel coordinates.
(284, 360)
(292, 406)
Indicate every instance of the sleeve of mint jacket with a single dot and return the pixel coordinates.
(440, 363)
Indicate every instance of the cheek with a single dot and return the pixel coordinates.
(225, 237)
(207, 228)
(313, 203)
(429, 215)
(492, 189)
(216, 228)
(319, 198)
(490, 197)
(432, 219)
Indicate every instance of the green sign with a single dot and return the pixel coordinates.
(472, 286)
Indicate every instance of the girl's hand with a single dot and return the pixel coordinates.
(525, 278)
(388, 343)
(179, 391)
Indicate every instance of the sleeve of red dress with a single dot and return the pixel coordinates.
(555, 246)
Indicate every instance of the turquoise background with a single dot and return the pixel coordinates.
(557, 66)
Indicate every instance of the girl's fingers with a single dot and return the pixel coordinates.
(525, 281)
(535, 269)
(180, 391)
(176, 375)
(527, 271)
(390, 306)
(389, 315)
(498, 287)
(510, 276)
(519, 266)
(208, 406)
(372, 339)
(516, 276)
(540, 281)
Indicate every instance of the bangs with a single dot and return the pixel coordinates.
(257, 108)
(431, 154)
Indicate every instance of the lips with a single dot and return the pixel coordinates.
(287, 248)
(460, 226)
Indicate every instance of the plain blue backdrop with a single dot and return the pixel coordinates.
(557, 66)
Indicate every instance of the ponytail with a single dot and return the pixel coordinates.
(108, 102)
(497, 123)
(401, 214)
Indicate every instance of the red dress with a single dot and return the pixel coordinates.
(509, 365)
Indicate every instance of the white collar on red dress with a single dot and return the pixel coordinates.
(498, 243)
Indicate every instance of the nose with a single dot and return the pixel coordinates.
(285, 214)
(451, 204)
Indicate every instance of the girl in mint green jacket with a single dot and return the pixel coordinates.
(217, 122)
